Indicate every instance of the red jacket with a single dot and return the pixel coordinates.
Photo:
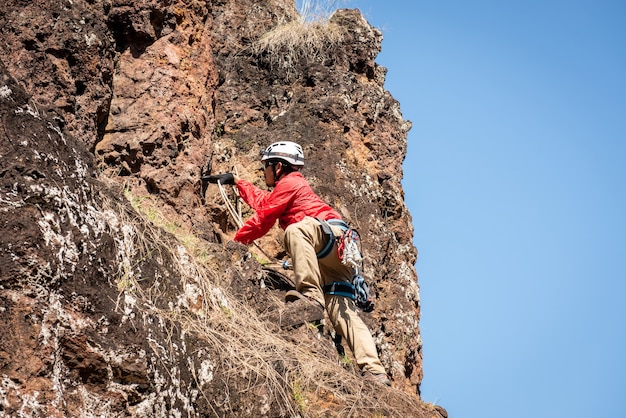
(291, 200)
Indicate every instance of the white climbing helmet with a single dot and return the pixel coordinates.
(287, 151)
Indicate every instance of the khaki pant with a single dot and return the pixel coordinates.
(303, 240)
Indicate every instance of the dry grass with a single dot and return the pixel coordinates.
(292, 44)
(299, 382)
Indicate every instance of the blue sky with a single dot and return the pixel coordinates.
(517, 172)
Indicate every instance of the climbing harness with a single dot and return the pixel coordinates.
(358, 291)
(330, 238)
(349, 253)
(344, 289)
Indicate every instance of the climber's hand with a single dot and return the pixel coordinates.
(226, 178)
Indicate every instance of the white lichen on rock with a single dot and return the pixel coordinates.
(5, 92)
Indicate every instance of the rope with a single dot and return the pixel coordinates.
(229, 206)
(349, 252)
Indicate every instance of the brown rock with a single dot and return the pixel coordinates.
(107, 311)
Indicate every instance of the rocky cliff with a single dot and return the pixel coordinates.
(121, 291)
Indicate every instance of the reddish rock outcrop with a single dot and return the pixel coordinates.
(110, 108)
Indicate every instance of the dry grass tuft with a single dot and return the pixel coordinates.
(297, 43)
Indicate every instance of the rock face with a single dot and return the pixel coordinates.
(120, 288)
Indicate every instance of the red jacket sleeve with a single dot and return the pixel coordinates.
(268, 207)
(251, 194)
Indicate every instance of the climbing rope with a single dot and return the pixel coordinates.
(348, 249)
(233, 212)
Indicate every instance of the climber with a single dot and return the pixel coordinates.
(306, 219)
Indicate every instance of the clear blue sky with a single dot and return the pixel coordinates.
(516, 181)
